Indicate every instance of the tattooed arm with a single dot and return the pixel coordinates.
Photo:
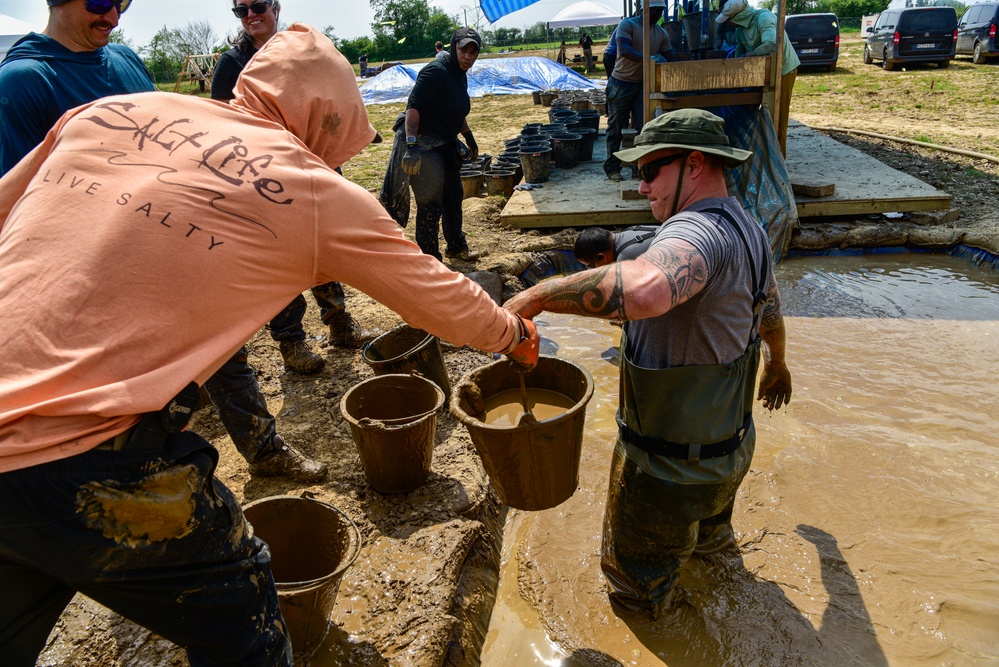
(775, 383)
(665, 276)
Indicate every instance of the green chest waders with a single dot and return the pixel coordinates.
(686, 440)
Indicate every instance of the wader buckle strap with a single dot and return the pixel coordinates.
(677, 450)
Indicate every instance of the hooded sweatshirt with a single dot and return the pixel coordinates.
(441, 95)
(150, 235)
(40, 79)
(756, 35)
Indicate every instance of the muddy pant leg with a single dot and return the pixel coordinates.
(241, 407)
(330, 299)
(428, 190)
(452, 221)
(620, 99)
(287, 325)
(652, 519)
(155, 538)
(644, 542)
(715, 533)
(32, 603)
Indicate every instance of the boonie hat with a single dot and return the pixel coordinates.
(465, 36)
(689, 129)
(731, 8)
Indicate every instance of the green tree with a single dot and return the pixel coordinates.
(409, 28)
(164, 55)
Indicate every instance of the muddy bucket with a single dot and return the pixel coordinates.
(692, 26)
(405, 350)
(500, 183)
(565, 149)
(471, 184)
(535, 164)
(547, 97)
(533, 465)
(536, 94)
(587, 137)
(312, 544)
(393, 419)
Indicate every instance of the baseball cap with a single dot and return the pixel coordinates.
(689, 129)
(731, 8)
(657, 3)
(465, 36)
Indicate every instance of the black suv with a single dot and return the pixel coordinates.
(815, 38)
(976, 33)
(912, 35)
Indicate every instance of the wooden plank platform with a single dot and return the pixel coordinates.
(583, 197)
(863, 185)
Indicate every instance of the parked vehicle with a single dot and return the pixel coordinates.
(912, 35)
(815, 38)
(976, 33)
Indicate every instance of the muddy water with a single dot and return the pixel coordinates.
(506, 407)
(868, 527)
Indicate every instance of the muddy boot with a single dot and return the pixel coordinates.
(466, 255)
(299, 358)
(286, 461)
(714, 539)
(346, 332)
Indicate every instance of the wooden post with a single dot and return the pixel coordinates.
(778, 61)
(647, 68)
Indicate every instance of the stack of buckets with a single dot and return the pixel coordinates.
(496, 176)
(393, 416)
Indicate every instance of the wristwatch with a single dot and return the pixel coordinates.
(410, 141)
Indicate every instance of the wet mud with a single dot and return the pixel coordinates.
(866, 525)
(507, 407)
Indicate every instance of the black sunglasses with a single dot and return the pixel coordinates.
(648, 172)
(100, 7)
(242, 11)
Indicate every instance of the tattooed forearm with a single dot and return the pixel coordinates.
(773, 312)
(684, 269)
(596, 293)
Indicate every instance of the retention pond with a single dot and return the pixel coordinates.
(867, 526)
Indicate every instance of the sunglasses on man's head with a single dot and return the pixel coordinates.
(648, 172)
(100, 7)
(242, 11)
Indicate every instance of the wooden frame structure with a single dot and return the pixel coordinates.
(198, 67)
(706, 83)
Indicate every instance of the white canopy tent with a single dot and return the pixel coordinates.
(585, 13)
(11, 30)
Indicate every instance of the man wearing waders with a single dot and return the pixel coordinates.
(698, 306)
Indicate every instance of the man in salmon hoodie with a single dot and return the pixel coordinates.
(162, 231)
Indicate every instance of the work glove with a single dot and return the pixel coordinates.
(525, 355)
(411, 160)
(473, 148)
(659, 58)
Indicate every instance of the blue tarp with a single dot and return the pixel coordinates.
(497, 9)
(488, 76)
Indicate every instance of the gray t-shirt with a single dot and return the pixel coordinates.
(715, 326)
(631, 28)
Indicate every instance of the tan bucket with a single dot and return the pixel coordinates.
(532, 465)
(312, 544)
(393, 419)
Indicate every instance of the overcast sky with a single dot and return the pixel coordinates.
(349, 18)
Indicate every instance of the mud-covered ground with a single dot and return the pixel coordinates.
(419, 592)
